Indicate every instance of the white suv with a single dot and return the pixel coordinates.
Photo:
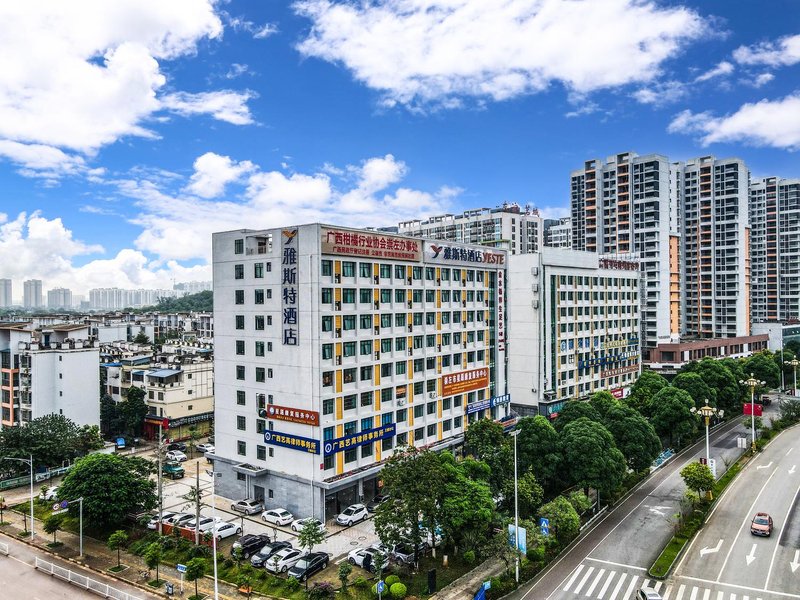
(352, 514)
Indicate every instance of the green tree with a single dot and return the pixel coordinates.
(88, 440)
(245, 580)
(486, 440)
(719, 378)
(782, 359)
(602, 402)
(529, 492)
(591, 459)
(52, 524)
(133, 410)
(141, 338)
(564, 520)
(790, 410)
(195, 569)
(644, 389)
(111, 486)
(463, 504)
(672, 417)
(52, 440)
(344, 572)
(763, 367)
(152, 556)
(311, 534)
(116, 541)
(698, 389)
(538, 449)
(194, 436)
(112, 422)
(634, 436)
(572, 411)
(697, 477)
(497, 546)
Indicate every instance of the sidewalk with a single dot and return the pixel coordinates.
(100, 558)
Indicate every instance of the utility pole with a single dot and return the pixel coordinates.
(197, 509)
(160, 488)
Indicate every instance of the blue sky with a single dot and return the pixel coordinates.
(129, 131)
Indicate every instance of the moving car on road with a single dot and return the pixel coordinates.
(352, 515)
(761, 525)
(248, 507)
(250, 544)
(284, 560)
(267, 552)
(309, 565)
(277, 516)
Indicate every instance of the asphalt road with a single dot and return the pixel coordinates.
(726, 557)
(19, 579)
(611, 561)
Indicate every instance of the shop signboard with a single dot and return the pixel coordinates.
(450, 254)
(290, 296)
(359, 439)
(465, 381)
(489, 403)
(370, 245)
(293, 415)
(294, 442)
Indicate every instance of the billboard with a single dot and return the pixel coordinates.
(293, 415)
(490, 403)
(359, 439)
(294, 442)
(370, 245)
(444, 253)
(465, 381)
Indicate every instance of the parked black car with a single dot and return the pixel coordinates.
(177, 446)
(376, 501)
(263, 555)
(250, 544)
(308, 565)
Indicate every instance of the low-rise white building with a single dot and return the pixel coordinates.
(573, 328)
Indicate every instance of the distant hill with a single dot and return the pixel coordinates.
(200, 302)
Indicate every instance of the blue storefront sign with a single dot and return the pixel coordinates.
(490, 403)
(359, 439)
(295, 442)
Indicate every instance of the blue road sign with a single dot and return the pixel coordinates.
(181, 568)
(381, 586)
(544, 525)
(64, 504)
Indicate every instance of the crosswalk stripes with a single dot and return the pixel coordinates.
(609, 584)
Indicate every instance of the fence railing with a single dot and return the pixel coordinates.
(99, 588)
(16, 482)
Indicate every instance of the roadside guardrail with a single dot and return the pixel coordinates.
(99, 588)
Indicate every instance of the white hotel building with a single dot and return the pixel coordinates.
(355, 343)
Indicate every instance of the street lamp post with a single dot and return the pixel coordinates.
(29, 462)
(707, 412)
(795, 363)
(214, 475)
(752, 383)
(514, 434)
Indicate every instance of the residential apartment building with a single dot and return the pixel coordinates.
(775, 249)
(6, 287)
(118, 298)
(519, 230)
(354, 343)
(558, 232)
(627, 207)
(716, 259)
(32, 293)
(573, 328)
(52, 370)
(191, 287)
(59, 298)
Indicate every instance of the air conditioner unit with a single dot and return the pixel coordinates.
(534, 270)
(410, 304)
(338, 278)
(338, 305)
(338, 360)
(338, 332)
(410, 327)
(401, 402)
(377, 330)
(375, 279)
(432, 395)
(377, 304)
(377, 355)
(535, 304)
(410, 351)
(533, 389)
(409, 280)
(535, 287)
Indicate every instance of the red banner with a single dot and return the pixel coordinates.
(756, 409)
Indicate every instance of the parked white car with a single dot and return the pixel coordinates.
(298, 524)
(176, 455)
(225, 529)
(50, 494)
(179, 519)
(205, 447)
(206, 523)
(284, 560)
(277, 516)
(153, 523)
(248, 507)
(352, 515)
(357, 557)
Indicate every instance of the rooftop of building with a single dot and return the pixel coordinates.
(507, 207)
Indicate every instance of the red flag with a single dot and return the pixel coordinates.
(756, 409)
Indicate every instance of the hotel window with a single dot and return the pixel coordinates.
(386, 271)
(386, 370)
(400, 368)
(261, 375)
(240, 347)
(350, 427)
(238, 246)
(364, 321)
(364, 269)
(241, 448)
(349, 295)
(261, 425)
(349, 322)
(327, 351)
(365, 295)
(366, 398)
(470, 275)
(419, 433)
(445, 274)
(366, 373)
(400, 319)
(259, 322)
(402, 439)
(445, 295)
(399, 296)
(446, 404)
(386, 320)
(258, 270)
(386, 418)
(430, 340)
(430, 318)
(430, 273)
(401, 415)
(419, 411)
(349, 402)
(350, 455)
(430, 295)
(386, 345)
(327, 295)
(239, 321)
(386, 444)
(327, 406)
(261, 452)
(431, 429)
(367, 423)
(327, 323)
(431, 408)
(241, 423)
(259, 297)
(456, 274)
(239, 372)
(238, 297)
(366, 450)
(386, 395)
(349, 375)
(238, 271)
(417, 342)
(400, 344)
(416, 273)
(416, 295)
(241, 397)
(349, 349)
(399, 272)
(365, 347)
(386, 296)
(446, 425)
(348, 269)
(327, 268)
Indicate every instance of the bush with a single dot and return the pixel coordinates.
(321, 591)
(227, 563)
(501, 586)
(469, 557)
(398, 591)
(360, 582)
(391, 580)
(292, 584)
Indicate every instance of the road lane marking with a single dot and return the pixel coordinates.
(789, 451)
(658, 585)
(693, 595)
(791, 471)
(616, 564)
(706, 550)
(738, 587)
(609, 579)
(618, 587)
(573, 578)
(583, 581)
(706, 594)
(629, 591)
(680, 592)
(597, 579)
(793, 564)
(668, 592)
(744, 522)
(752, 556)
(720, 595)
(766, 466)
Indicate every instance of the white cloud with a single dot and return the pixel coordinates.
(259, 32)
(86, 73)
(784, 51)
(723, 68)
(265, 31)
(438, 51)
(763, 79)
(236, 70)
(661, 93)
(40, 160)
(766, 123)
(224, 105)
(213, 172)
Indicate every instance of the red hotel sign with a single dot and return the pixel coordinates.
(370, 245)
(293, 415)
(465, 381)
